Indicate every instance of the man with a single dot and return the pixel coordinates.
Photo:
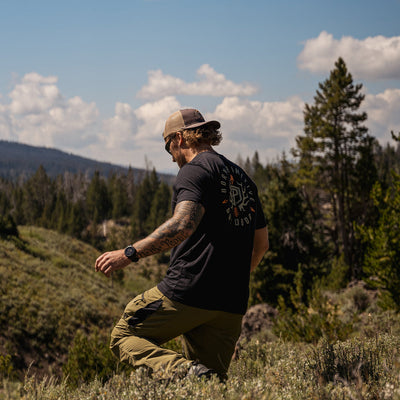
(217, 235)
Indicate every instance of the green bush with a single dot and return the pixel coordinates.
(6, 368)
(89, 358)
(364, 365)
(382, 258)
(8, 227)
(348, 361)
(318, 317)
(354, 369)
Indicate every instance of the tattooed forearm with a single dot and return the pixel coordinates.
(184, 222)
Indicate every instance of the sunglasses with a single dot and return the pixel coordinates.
(168, 144)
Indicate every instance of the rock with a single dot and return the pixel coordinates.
(257, 318)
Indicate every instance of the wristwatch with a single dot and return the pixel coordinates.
(131, 253)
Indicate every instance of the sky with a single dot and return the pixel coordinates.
(99, 78)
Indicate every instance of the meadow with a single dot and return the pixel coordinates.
(56, 315)
(354, 369)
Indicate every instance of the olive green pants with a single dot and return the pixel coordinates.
(152, 319)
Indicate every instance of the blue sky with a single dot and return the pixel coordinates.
(98, 78)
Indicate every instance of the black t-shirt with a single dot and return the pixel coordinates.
(211, 268)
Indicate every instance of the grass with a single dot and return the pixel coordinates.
(49, 292)
(56, 314)
(352, 369)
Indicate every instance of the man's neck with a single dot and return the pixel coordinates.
(193, 152)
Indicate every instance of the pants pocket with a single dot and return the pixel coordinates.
(142, 313)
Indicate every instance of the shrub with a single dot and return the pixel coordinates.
(383, 255)
(312, 320)
(8, 227)
(89, 357)
(6, 368)
(357, 362)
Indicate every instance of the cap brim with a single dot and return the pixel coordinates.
(214, 124)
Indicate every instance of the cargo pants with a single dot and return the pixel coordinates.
(151, 319)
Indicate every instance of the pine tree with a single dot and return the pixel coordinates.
(294, 242)
(119, 196)
(38, 197)
(59, 219)
(382, 261)
(97, 199)
(160, 207)
(142, 206)
(335, 157)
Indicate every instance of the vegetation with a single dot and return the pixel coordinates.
(79, 205)
(352, 369)
(334, 162)
(53, 304)
(332, 273)
(323, 208)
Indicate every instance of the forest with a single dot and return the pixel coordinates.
(332, 206)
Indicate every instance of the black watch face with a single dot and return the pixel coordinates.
(130, 251)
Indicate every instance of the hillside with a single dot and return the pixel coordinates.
(49, 292)
(56, 314)
(18, 159)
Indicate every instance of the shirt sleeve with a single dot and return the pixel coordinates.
(191, 184)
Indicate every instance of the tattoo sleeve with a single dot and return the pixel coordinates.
(183, 223)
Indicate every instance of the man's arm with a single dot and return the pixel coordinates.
(260, 247)
(180, 226)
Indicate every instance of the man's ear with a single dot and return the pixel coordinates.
(181, 140)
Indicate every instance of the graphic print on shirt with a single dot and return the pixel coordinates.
(239, 201)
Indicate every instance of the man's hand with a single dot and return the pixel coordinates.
(111, 261)
(180, 226)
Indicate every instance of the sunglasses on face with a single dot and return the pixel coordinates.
(168, 143)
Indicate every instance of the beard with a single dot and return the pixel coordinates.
(180, 160)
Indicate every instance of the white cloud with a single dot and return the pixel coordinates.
(35, 94)
(131, 135)
(268, 123)
(119, 130)
(38, 114)
(210, 83)
(383, 113)
(374, 57)
(153, 116)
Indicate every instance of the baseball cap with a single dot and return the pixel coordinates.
(186, 119)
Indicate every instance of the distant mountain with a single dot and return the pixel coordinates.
(18, 160)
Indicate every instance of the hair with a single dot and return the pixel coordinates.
(202, 135)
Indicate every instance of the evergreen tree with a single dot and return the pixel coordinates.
(17, 208)
(382, 261)
(294, 242)
(5, 204)
(59, 219)
(160, 207)
(387, 159)
(8, 227)
(97, 199)
(335, 157)
(142, 205)
(76, 221)
(130, 189)
(38, 197)
(119, 196)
